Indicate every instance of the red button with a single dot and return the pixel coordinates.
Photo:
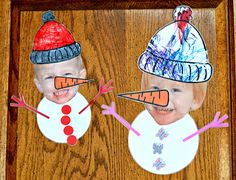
(71, 140)
(65, 120)
(68, 130)
(66, 109)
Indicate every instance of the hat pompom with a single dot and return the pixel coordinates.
(182, 13)
(48, 16)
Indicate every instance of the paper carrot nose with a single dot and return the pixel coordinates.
(63, 82)
(154, 97)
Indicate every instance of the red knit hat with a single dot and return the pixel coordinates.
(53, 42)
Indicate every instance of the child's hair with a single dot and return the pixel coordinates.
(199, 92)
(80, 62)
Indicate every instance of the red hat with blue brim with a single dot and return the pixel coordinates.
(53, 43)
(177, 51)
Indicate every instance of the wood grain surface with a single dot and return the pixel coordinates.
(4, 56)
(222, 71)
(111, 42)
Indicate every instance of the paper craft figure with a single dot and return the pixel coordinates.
(55, 53)
(175, 60)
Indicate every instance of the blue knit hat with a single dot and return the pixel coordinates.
(177, 51)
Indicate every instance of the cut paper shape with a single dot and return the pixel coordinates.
(162, 134)
(159, 163)
(177, 51)
(53, 42)
(102, 90)
(55, 52)
(153, 97)
(111, 111)
(65, 124)
(61, 82)
(216, 123)
(175, 153)
(21, 103)
(175, 55)
(157, 148)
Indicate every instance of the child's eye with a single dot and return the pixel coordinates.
(156, 87)
(48, 77)
(176, 90)
(67, 74)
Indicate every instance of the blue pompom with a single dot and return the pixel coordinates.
(48, 16)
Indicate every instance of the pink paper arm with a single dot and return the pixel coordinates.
(111, 110)
(21, 103)
(216, 123)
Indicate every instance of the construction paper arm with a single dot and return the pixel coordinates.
(216, 123)
(111, 111)
(102, 90)
(21, 103)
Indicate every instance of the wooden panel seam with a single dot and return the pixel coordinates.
(13, 90)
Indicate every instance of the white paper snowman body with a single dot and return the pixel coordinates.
(65, 124)
(160, 148)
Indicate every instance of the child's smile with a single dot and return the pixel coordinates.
(163, 110)
(45, 74)
(181, 99)
(61, 93)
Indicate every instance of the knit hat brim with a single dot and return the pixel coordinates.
(182, 71)
(55, 55)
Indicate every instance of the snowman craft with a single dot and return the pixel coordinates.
(175, 61)
(55, 53)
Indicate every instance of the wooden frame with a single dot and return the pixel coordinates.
(231, 55)
(29, 5)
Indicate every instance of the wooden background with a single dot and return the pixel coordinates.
(111, 40)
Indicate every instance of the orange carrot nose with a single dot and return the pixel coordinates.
(154, 97)
(63, 82)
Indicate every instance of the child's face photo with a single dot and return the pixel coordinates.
(181, 99)
(45, 74)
